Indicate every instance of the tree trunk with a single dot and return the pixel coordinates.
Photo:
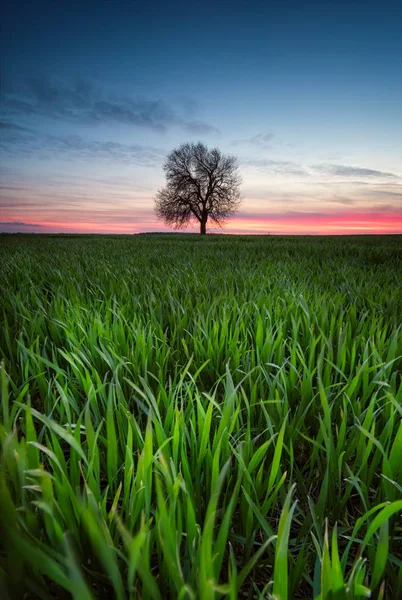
(203, 228)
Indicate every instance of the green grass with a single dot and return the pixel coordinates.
(201, 418)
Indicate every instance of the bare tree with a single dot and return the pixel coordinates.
(201, 184)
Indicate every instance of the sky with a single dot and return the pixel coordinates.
(95, 93)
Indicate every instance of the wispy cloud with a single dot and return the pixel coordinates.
(26, 143)
(343, 200)
(386, 193)
(18, 224)
(9, 126)
(348, 171)
(83, 103)
(386, 208)
(198, 127)
(280, 167)
(261, 140)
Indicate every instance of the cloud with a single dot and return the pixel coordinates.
(346, 171)
(83, 103)
(343, 200)
(261, 140)
(126, 153)
(386, 208)
(279, 167)
(12, 187)
(8, 126)
(18, 224)
(200, 127)
(22, 143)
(386, 193)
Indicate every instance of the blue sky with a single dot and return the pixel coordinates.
(308, 95)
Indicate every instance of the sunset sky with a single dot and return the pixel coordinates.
(306, 94)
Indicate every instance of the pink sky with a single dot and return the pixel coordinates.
(291, 223)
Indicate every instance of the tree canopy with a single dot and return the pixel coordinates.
(201, 184)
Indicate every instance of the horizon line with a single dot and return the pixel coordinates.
(194, 234)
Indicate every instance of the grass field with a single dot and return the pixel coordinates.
(187, 417)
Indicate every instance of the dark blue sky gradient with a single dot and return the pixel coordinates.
(208, 43)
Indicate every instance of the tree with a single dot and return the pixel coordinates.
(201, 184)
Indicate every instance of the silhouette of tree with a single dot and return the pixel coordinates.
(201, 184)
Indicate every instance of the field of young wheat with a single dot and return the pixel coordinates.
(201, 418)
